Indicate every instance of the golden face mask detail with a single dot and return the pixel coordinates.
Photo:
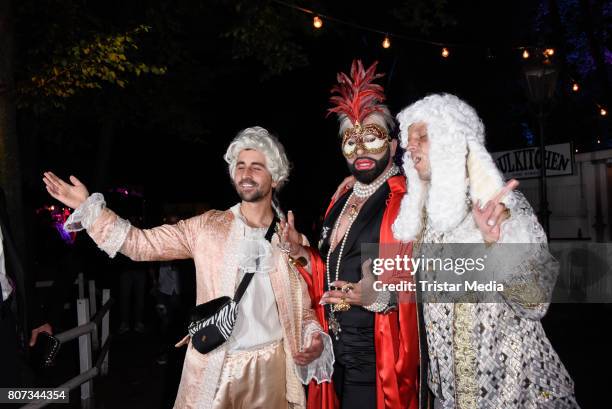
(371, 138)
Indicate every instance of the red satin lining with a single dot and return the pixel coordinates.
(320, 396)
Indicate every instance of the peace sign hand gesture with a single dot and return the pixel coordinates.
(291, 239)
(490, 217)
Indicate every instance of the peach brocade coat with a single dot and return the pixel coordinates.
(211, 239)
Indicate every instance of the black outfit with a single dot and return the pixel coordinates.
(355, 368)
(14, 328)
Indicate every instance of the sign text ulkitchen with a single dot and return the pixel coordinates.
(525, 163)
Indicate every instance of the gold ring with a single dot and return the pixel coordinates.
(347, 287)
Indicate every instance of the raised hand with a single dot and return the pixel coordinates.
(490, 217)
(291, 239)
(71, 194)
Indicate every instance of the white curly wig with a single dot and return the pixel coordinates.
(259, 139)
(461, 167)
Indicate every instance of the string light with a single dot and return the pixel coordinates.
(598, 141)
(386, 42)
(317, 22)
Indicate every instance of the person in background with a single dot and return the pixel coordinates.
(18, 311)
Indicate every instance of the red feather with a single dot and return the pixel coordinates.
(357, 95)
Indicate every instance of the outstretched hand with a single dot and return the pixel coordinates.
(71, 194)
(490, 217)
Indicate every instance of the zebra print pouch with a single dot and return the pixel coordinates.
(211, 323)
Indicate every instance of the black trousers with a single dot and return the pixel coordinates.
(355, 386)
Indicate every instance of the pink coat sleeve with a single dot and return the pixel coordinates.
(166, 242)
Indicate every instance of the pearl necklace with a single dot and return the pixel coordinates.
(359, 191)
(334, 325)
(342, 244)
(362, 190)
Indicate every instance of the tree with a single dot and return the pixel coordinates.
(86, 65)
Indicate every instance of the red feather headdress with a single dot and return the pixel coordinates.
(357, 96)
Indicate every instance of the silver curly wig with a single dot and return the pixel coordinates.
(259, 139)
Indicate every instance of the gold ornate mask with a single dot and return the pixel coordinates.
(371, 138)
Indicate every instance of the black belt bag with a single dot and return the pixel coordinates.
(211, 323)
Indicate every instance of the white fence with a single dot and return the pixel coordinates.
(92, 333)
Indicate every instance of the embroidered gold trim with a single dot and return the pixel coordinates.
(466, 389)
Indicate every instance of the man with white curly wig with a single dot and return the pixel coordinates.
(491, 354)
(273, 344)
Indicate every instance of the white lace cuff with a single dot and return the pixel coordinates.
(85, 215)
(322, 368)
(116, 236)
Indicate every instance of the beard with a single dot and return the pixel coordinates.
(255, 195)
(370, 175)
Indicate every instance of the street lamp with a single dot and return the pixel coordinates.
(541, 80)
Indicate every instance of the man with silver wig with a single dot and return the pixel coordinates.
(276, 343)
(483, 353)
(258, 138)
(276, 162)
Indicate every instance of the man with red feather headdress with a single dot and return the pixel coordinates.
(374, 333)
